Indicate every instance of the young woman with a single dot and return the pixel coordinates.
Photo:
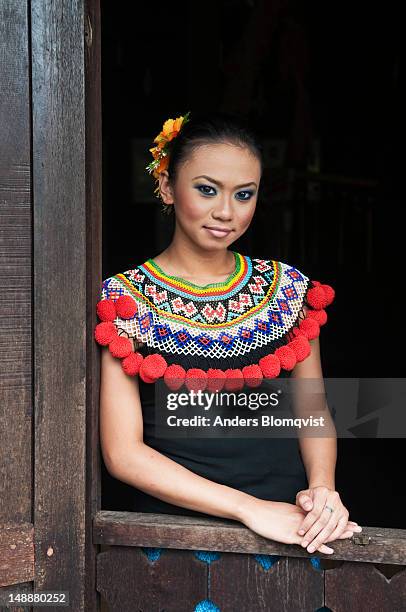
(201, 311)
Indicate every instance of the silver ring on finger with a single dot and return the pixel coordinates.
(328, 508)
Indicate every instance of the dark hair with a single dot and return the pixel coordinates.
(211, 127)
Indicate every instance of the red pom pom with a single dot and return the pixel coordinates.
(105, 333)
(286, 356)
(152, 367)
(126, 307)
(309, 328)
(215, 379)
(252, 375)
(131, 363)
(318, 315)
(316, 297)
(301, 347)
(296, 331)
(120, 347)
(196, 379)
(270, 366)
(234, 379)
(106, 310)
(144, 377)
(329, 292)
(174, 376)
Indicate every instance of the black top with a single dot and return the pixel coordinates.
(268, 468)
(254, 320)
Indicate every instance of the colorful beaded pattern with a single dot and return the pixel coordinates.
(255, 324)
(258, 304)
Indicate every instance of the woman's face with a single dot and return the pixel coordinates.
(215, 194)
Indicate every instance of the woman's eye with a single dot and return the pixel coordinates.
(202, 187)
(249, 194)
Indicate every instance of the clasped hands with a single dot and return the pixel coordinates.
(320, 524)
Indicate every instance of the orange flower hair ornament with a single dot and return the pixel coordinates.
(161, 152)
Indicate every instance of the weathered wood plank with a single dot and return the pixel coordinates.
(132, 578)
(60, 298)
(362, 587)
(16, 553)
(240, 582)
(185, 532)
(15, 266)
(16, 557)
(93, 150)
(128, 580)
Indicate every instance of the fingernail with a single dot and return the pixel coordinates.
(308, 505)
(301, 531)
(311, 548)
(304, 544)
(358, 528)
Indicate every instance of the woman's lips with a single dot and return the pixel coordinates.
(217, 232)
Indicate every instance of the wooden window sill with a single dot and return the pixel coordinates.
(372, 545)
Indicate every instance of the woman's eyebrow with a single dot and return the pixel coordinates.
(212, 180)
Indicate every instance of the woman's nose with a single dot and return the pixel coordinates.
(224, 209)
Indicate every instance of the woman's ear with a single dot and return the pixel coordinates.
(165, 188)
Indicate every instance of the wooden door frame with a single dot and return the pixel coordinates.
(66, 171)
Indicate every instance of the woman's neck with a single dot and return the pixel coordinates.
(213, 266)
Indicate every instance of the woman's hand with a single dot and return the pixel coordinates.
(320, 524)
(278, 521)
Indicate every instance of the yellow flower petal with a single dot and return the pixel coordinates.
(167, 127)
(178, 123)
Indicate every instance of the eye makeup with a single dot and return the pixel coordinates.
(200, 188)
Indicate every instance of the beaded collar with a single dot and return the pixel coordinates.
(261, 318)
(234, 283)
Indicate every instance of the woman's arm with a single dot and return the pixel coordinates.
(319, 454)
(128, 459)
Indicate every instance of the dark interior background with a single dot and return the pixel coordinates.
(322, 82)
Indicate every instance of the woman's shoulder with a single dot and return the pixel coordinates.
(280, 269)
(120, 283)
(117, 311)
(270, 263)
(286, 282)
(289, 274)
